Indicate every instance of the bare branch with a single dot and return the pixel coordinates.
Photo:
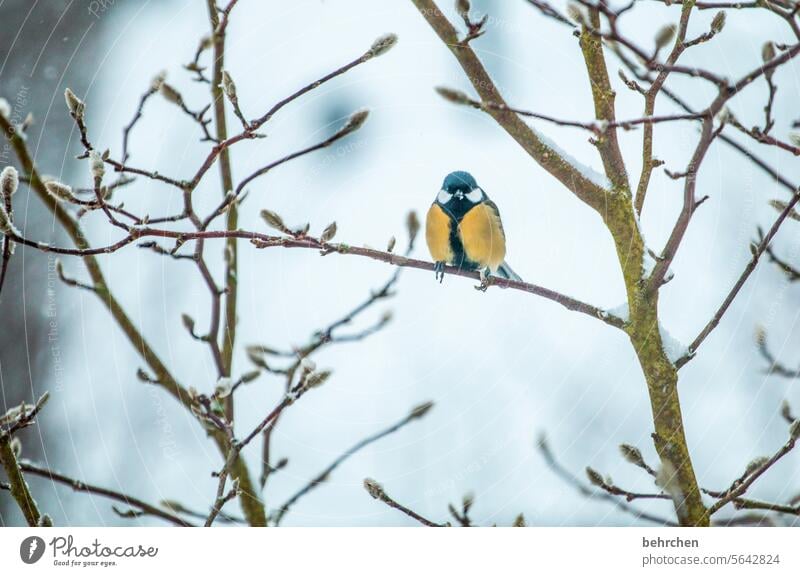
(415, 414)
(741, 485)
(573, 178)
(79, 486)
(266, 241)
(378, 493)
(588, 492)
(757, 252)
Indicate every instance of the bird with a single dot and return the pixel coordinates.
(463, 229)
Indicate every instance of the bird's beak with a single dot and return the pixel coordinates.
(459, 195)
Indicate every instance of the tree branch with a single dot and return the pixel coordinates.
(748, 270)
(79, 486)
(604, 104)
(415, 414)
(266, 241)
(588, 492)
(584, 187)
(17, 485)
(378, 493)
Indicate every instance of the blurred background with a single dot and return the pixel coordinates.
(501, 367)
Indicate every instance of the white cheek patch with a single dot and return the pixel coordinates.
(475, 196)
(443, 197)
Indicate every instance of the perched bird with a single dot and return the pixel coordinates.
(463, 229)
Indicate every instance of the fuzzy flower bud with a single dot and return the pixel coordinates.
(328, 233)
(9, 181)
(665, 35)
(355, 122)
(382, 45)
(768, 51)
(718, 23)
(170, 94)
(420, 410)
(228, 86)
(454, 96)
(632, 455)
(75, 104)
(96, 165)
(375, 490)
(59, 190)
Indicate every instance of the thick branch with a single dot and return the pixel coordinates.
(548, 158)
(17, 484)
(604, 107)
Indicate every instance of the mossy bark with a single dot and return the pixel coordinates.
(19, 488)
(660, 373)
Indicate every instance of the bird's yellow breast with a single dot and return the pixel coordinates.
(482, 236)
(437, 234)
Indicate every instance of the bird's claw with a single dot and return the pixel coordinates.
(485, 280)
(438, 270)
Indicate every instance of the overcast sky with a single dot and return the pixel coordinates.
(501, 366)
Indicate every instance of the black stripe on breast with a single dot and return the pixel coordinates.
(460, 259)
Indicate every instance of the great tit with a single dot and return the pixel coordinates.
(463, 229)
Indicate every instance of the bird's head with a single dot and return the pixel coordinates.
(460, 189)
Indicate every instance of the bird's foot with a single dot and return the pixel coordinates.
(485, 280)
(438, 270)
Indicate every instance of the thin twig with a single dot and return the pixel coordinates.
(588, 492)
(415, 414)
(734, 291)
(378, 493)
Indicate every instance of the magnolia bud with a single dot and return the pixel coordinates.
(355, 122)
(718, 23)
(420, 410)
(665, 35)
(768, 51)
(382, 45)
(454, 96)
(273, 220)
(328, 233)
(375, 490)
(9, 181)
(60, 191)
(96, 165)
(75, 104)
(170, 94)
(228, 86)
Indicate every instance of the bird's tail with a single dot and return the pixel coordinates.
(505, 271)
